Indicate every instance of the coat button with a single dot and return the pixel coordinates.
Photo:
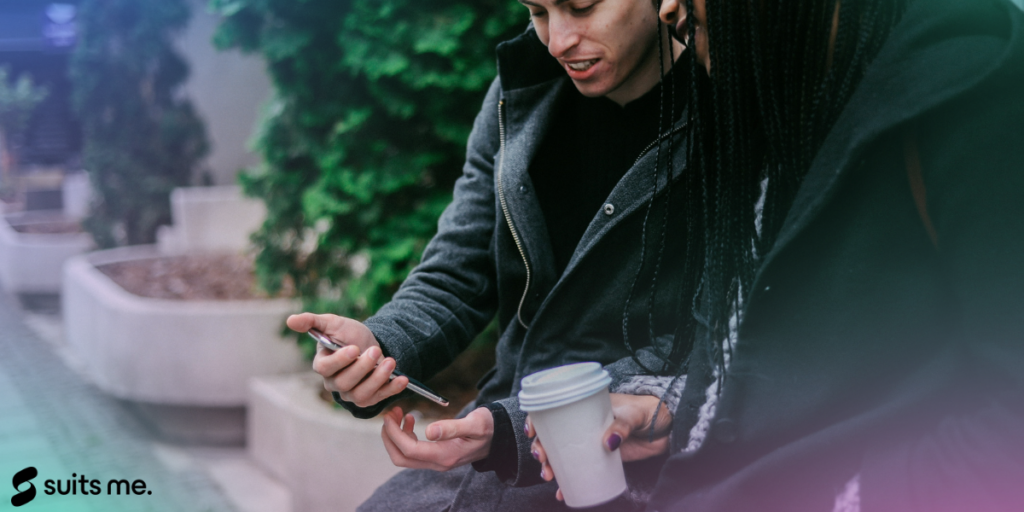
(609, 209)
(522, 189)
(725, 431)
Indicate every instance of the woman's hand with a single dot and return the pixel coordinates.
(358, 372)
(628, 432)
(449, 444)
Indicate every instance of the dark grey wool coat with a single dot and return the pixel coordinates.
(492, 255)
(865, 349)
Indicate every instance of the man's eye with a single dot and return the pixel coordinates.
(582, 10)
(536, 14)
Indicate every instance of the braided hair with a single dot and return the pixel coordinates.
(782, 72)
(780, 77)
(669, 362)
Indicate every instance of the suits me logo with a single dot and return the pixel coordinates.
(24, 476)
(77, 485)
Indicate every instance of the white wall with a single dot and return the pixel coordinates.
(227, 89)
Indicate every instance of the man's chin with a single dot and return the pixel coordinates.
(591, 89)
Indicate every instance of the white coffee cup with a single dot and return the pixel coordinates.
(570, 409)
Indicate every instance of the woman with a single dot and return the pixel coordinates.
(858, 329)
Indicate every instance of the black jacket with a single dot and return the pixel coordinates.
(865, 348)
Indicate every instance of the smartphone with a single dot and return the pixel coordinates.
(414, 385)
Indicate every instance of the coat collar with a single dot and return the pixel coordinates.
(525, 62)
(927, 61)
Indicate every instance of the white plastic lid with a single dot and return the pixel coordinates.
(562, 385)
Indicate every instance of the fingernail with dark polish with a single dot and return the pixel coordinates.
(535, 455)
(614, 441)
(526, 428)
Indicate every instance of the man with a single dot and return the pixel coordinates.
(548, 229)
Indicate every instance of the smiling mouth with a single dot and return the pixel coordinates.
(581, 66)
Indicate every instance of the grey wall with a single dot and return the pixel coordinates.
(227, 89)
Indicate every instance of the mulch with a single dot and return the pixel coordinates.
(190, 277)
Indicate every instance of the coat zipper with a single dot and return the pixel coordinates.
(504, 209)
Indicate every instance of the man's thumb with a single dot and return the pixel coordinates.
(443, 430)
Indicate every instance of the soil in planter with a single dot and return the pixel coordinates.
(190, 277)
(57, 227)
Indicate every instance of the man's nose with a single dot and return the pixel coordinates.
(564, 35)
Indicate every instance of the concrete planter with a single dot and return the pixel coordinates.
(77, 194)
(210, 219)
(180, 353)
(31, 262)
(330, 461)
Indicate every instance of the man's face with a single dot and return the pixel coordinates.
(608, 47)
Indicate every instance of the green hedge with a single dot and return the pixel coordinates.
(366, 134)
(141, 137)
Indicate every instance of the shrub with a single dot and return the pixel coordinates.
(141, 137)
(18, 99)
(374, 100)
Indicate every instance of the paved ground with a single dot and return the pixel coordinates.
(54, 420)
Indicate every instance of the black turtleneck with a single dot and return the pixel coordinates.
(589, 146)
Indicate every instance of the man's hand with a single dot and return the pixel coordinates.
(358, 372)
(450, 444)
(633, 414)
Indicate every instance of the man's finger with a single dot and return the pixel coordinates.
(366, 389)
(350, 377)
(300, 322)
(419, 454)
(445, 429)
(409, 424)
(347, 331)
(474, 425)
(396, 386)
(397, 457)
(411, 447)
(328, 363)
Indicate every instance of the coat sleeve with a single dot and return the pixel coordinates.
(452, 294)
(973, 459)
